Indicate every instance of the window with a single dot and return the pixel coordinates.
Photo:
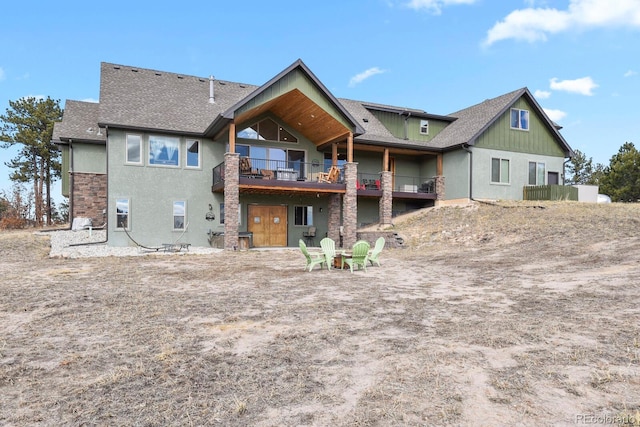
(519, 119)
(424, 127)
(303, 215)
(134, 149)
(536, 173)
(164, 151)
(179, 211)
(222, 214)
(193, 153)
(122, 213)
(267, 130)
(500, 171)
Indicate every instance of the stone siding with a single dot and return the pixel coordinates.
(90, 197)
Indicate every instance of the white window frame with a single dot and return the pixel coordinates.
(307, 218)
(188, 145)
(126, 150)
(541, 167)
(222, 213)
(424, 127)
(181, 205)
(120, 201)
(500, 181)
(520, 122)
(156, 139)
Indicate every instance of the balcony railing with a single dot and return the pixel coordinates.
(284, 170)
(403, 184)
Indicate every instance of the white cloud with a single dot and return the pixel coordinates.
(582, 86)
(2, 75)
(435, 6)
(542, 94)
(555, 115)
(90, 100)
(359, 78)
(630, 73)
(535, 24)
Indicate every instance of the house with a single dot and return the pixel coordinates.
(165, 156)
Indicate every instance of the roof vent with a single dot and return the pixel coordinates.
(211, 98)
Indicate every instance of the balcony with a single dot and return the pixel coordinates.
(274, 176)
(404, 187)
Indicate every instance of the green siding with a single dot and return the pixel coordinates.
(537, 140)
(395, 123)
(66, 167)
(89, 158)
(296, 80)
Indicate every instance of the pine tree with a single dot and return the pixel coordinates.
(28, 123)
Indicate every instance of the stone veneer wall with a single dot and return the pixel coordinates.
(231, 200)
(335, 214)
(439, 184)
(386, 201)
(90, 197)
(350, 205)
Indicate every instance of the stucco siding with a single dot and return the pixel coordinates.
(483, 188)
(455, 165)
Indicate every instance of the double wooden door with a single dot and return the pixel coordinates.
(268, 225)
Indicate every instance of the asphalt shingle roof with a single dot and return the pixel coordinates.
(80, 123)
(141, 98)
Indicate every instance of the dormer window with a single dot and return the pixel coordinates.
(424, 127)
(519, 119)
(267, 130)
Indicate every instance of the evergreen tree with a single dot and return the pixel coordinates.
(581, 170)
(621, 179)
(28, 123)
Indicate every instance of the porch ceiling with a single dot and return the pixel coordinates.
(301, 114)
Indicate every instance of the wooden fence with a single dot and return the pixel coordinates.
(550, 192)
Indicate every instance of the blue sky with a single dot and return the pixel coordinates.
(580, 58)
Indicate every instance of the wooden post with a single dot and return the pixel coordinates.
(232, 137)
(385, 160)
(350, 148)
(334, 154)
(439, 165)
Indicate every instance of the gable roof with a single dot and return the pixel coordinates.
(473, 121)
(79, 123)
(150, 100)
(230, 113)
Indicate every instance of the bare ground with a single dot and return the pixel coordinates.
(516, 314)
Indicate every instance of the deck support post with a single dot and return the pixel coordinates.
(350, 205)
(231, 200)
(386, 201)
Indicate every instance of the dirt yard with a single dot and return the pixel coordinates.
(516, 314)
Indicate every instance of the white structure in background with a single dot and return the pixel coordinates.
(587, 193)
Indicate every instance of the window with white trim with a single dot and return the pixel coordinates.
(122, 213)
(239, 213)
(537, 172)
(134, 149)
(193, 153)
(499, 171)
(424, 127)
(303, 215)
(179, 214)
(519, 119)
(164, 151)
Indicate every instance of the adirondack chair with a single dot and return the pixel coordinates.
(329, 249)
(329, 177)
(359, 255)
(374, 255)
(312, 259)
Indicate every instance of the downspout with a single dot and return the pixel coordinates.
(466, 148)
(70, 183)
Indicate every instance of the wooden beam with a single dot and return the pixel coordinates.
(350, 148)
(439, 166)
(232, 137)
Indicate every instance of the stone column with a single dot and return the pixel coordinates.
(386, 201)
(350, 205)
(334, 217)
(439, 188)
(231, 200)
